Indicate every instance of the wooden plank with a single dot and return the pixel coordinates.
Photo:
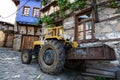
(9, 41)
(103, 67)
(30, 30)
(100, 72)
(97, 75)
(22, 29)
(27, 42)
(112, 69)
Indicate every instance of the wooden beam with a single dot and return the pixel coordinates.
(111, 18)
(6, 36)
(95, 11)
(46, 7)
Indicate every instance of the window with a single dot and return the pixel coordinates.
(85, 26)
(26, 11)
(36, 12)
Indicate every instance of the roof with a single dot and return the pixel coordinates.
(28, 24)
(16, 2)
(6, 23)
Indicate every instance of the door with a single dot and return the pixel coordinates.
(27, 41)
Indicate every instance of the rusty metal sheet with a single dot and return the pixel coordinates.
(103, 52)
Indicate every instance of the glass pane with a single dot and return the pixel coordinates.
(36, 12)
(88, 34)
(80, 36)
(80, 27)
(88, 25)
(26, 11)
(85, 16)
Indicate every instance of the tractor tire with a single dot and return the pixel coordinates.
(52, 57)
(26, 56)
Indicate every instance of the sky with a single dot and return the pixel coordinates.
(7, 7)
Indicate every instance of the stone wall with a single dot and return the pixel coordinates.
(109, 29)
(17, 41)
(69, 25)
(104, 30)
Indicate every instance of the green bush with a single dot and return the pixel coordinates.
(100, 78)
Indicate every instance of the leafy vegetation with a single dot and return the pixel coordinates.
(65, 4)
(44, 2)
(113, 4)
(48, 20)
(78, 4)
(100, 78)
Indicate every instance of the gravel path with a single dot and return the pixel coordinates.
(11, 68)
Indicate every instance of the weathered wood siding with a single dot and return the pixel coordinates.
(2, 38)
(9, 40)
(22, 29)
(25, 36)
(27, 42)
(38, 31)
(31, 31)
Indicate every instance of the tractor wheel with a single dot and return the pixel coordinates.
(52, 57)
(26, 56)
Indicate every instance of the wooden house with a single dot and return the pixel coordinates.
(25, 29)
(6, 34)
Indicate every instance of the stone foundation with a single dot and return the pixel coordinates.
(17, 41)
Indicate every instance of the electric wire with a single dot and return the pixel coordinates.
(16, 10)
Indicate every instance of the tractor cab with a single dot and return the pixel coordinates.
(54, 33)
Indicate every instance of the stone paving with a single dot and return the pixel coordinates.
(11, 68)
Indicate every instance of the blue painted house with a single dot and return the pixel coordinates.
(26, 32)
(28, 11)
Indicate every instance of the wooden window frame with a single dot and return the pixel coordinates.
(84, 31)
(23, 13)
(34, 12)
